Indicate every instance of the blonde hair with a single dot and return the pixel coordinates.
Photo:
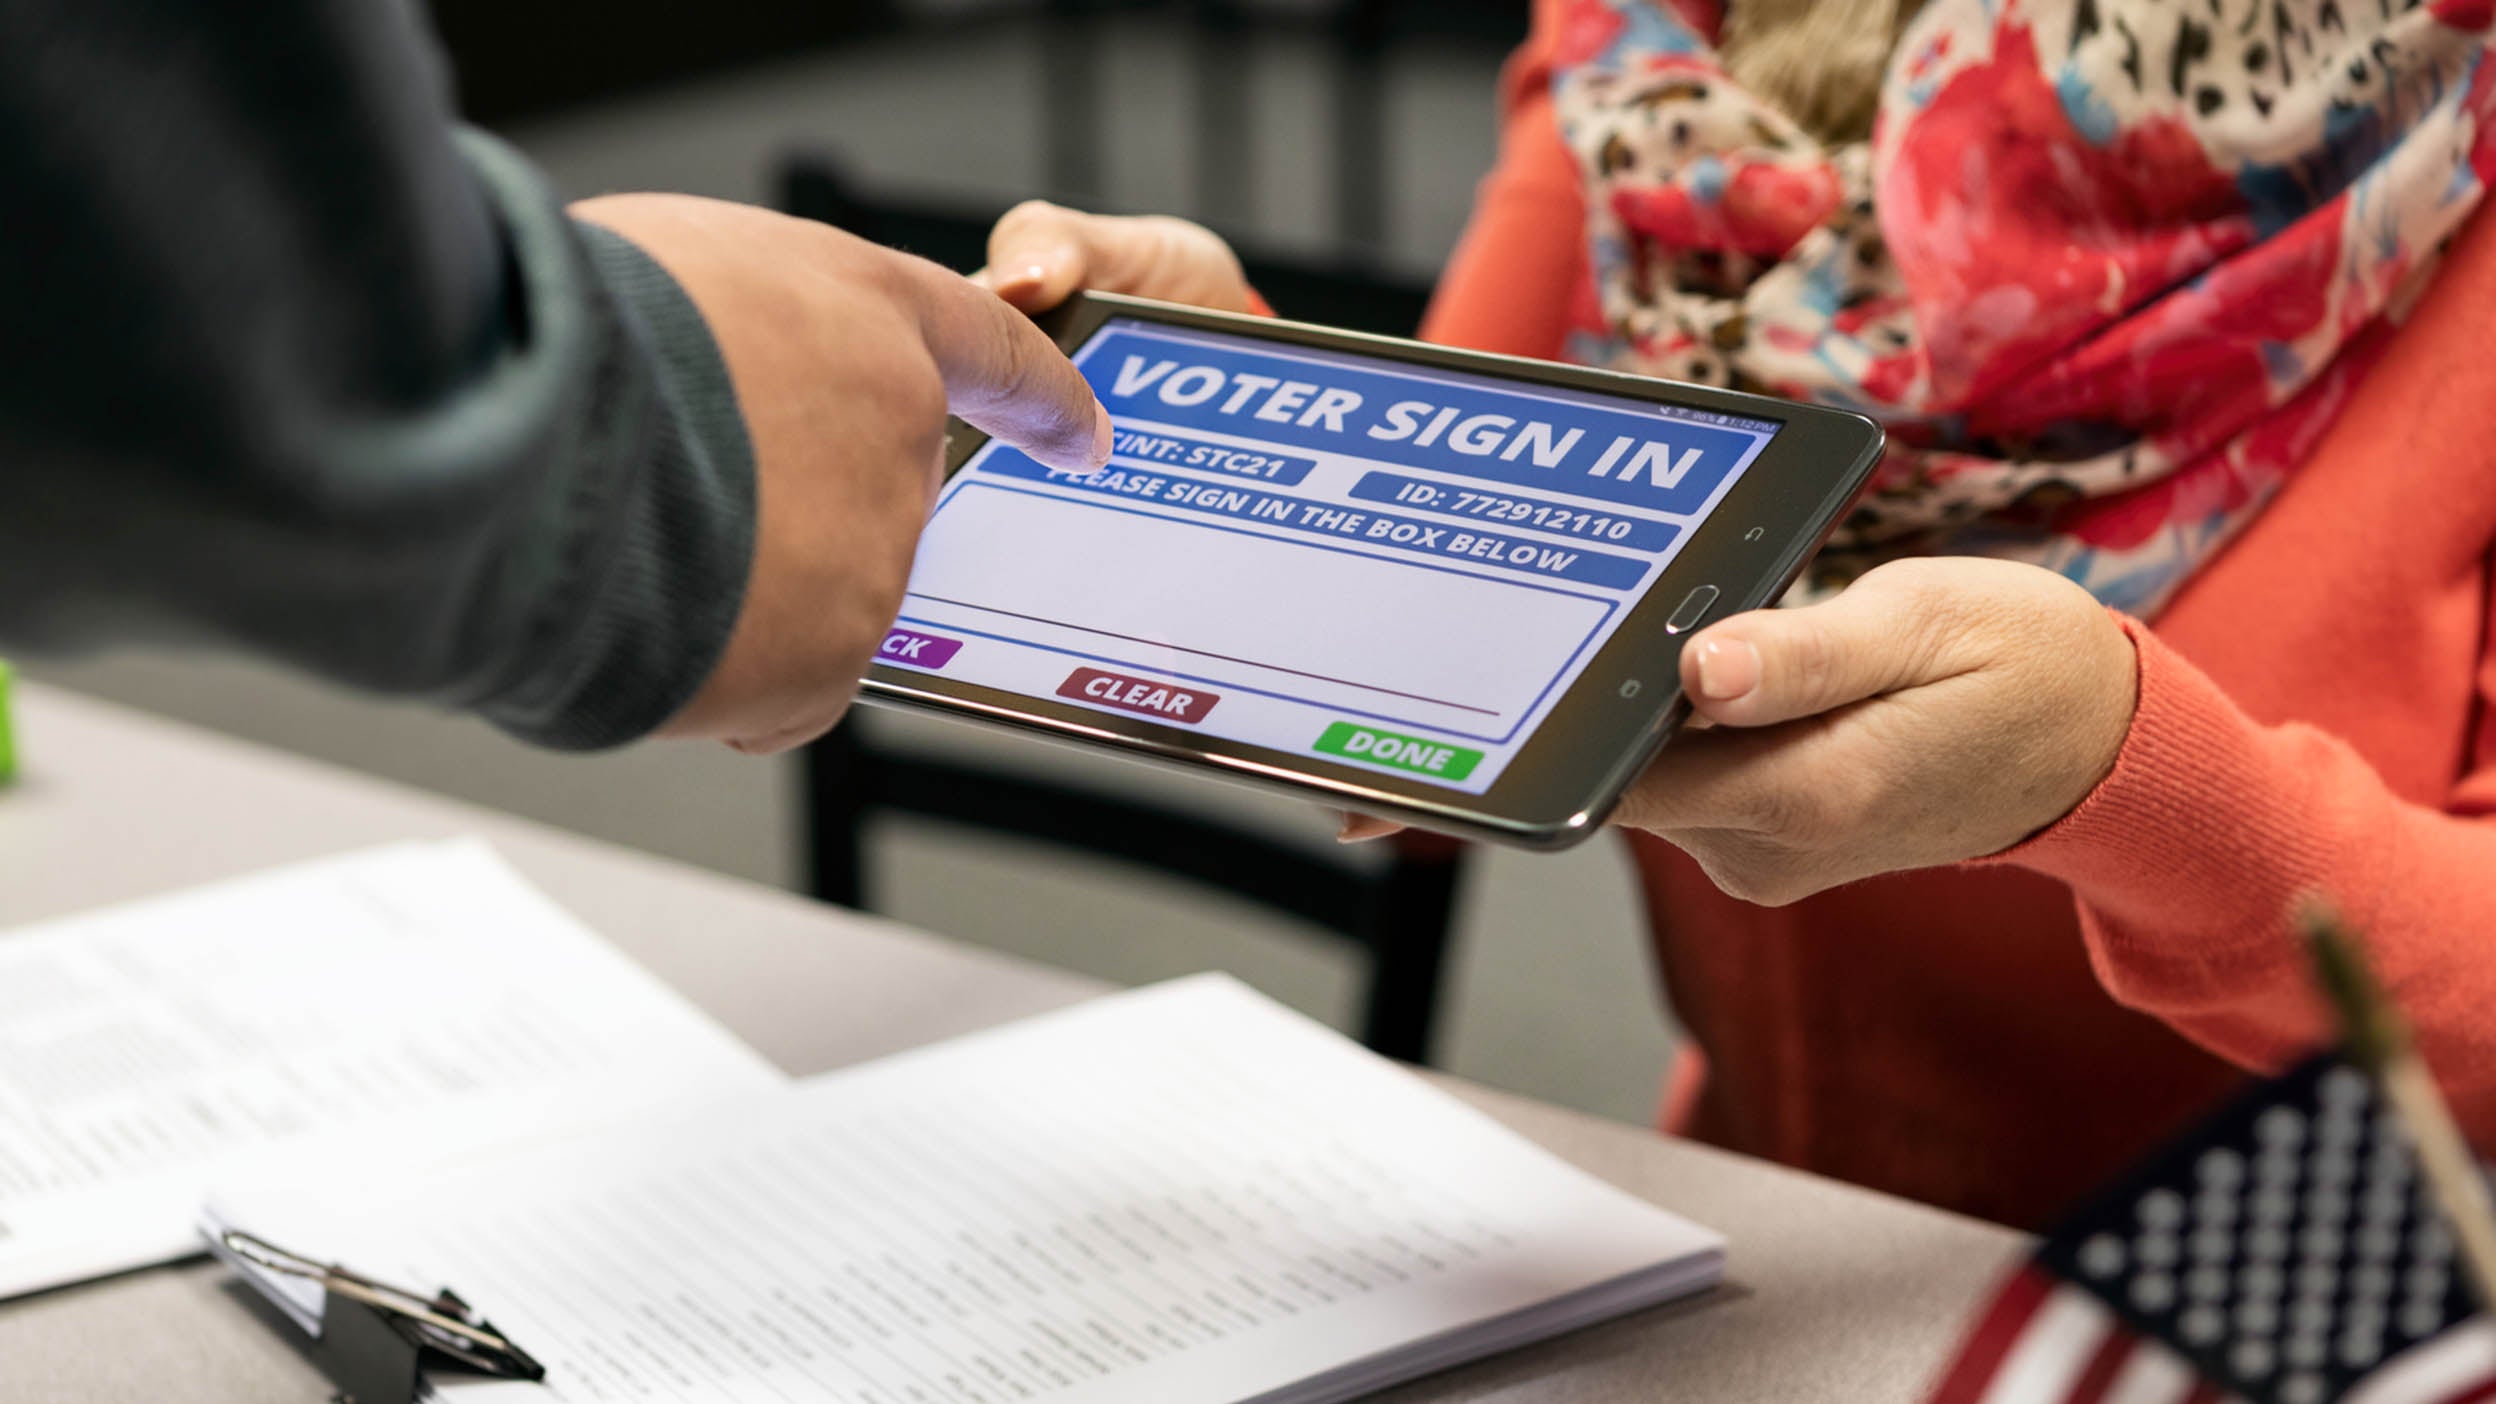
(1821, 61)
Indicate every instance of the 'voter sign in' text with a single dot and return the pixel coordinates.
(1463, 428)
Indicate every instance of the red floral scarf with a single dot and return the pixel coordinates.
(2106, 268)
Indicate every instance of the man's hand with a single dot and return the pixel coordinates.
(1041, 254)
(845, 358)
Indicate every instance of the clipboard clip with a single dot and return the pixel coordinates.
(378, 1340)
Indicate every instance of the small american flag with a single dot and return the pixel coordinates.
(2284, 1252)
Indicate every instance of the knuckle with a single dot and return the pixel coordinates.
(914, 389)
(1927, 601)
(1928, 598)
(887, 277)
(1809, 657)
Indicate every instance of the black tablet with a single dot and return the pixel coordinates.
(1438, 586)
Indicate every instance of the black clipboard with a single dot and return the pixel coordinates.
(377, 1342)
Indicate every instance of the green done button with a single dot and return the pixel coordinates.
(1435, 759)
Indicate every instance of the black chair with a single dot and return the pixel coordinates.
(1396, 906)
(1351, 290)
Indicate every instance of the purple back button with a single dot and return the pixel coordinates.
(912, 649)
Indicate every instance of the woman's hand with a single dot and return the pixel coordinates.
(1041, 254)
(1939, 710)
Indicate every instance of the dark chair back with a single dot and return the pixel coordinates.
(1350, 291)
(1397, 907)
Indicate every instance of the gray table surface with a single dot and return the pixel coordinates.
(1832, 1293)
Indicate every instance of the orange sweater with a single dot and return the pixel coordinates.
(2001, 1037)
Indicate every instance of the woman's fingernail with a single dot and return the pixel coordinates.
(1728, 668)
(1017, 282)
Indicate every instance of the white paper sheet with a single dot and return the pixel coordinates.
(416, 1000)
(1183, 1195)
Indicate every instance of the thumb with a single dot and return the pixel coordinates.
(1039, 255)
(1003, 374)
(1774, 665)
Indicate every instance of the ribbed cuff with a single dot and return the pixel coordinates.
(649, 529)
(2190, 857)
(671, 599)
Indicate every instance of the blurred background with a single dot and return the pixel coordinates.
(1337, 142)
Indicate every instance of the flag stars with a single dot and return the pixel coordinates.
(2307, 1350)
(2421, 1319)
(2345, 1089)
(2427, 1282)
(2387, 1203)
(2153, 1292)
(2335, 1143)
(2281, 1130)
(2431, 1242)
(2162, 1210)
(2220, 1170)
(2214, 1207)
(2321, 1241)
(2261, 1280)
(2326, 1203)
(2102, 1256)
(2212, 1243)
(2372, 1282)
(2156, 1250)
(2378, 1242)
(2288, 1255)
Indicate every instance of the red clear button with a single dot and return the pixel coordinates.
(1167, 700)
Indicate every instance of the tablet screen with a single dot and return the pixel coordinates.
(1384, 565)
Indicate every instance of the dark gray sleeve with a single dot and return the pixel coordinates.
(289, 364)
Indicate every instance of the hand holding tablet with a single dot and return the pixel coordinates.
(1436, 586)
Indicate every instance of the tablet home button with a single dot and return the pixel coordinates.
(1691, 610)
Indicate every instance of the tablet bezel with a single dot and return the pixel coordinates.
(1602, 732)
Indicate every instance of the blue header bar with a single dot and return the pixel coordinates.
(1455, 426)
